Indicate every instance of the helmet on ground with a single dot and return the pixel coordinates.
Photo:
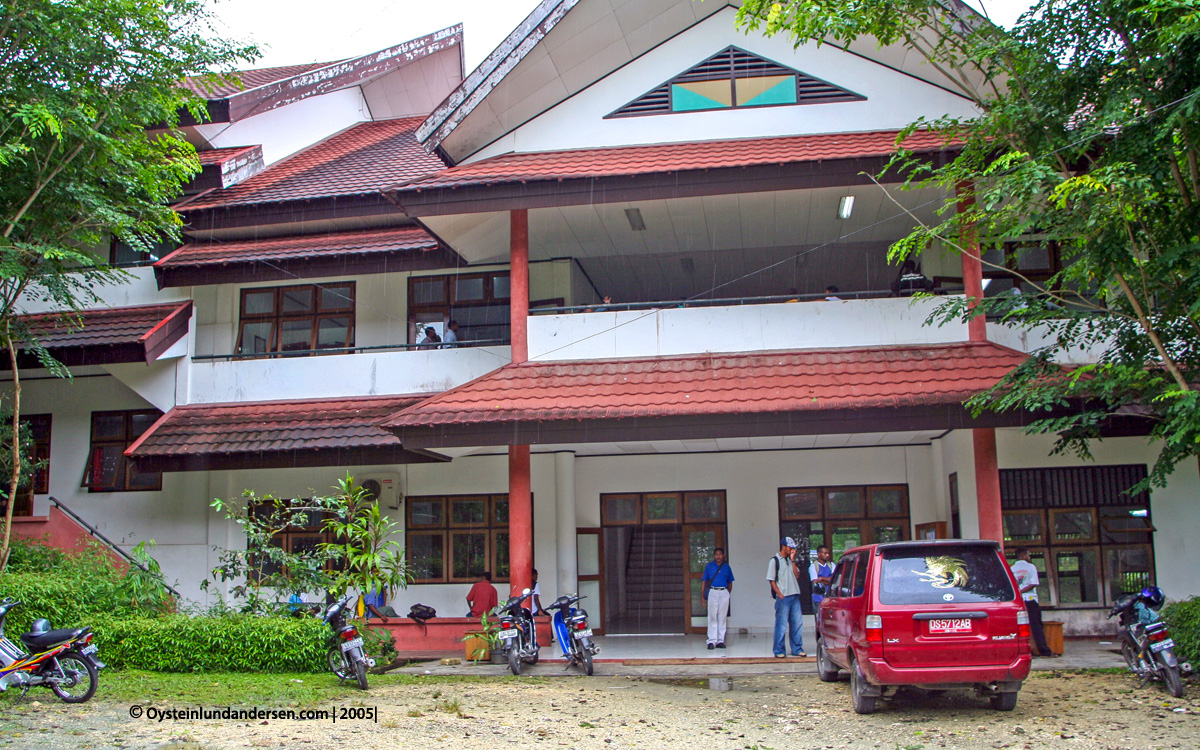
(40, 625)
(1153, 597)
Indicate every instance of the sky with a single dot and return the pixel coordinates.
(305, 31)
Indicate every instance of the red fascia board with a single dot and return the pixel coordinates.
(166, 332)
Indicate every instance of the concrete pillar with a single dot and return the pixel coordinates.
(519, 283)
(520, 503)
(987, 484)
(564, 494)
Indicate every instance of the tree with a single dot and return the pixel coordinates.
(1086, 141)
(364, 540)
(81, 83)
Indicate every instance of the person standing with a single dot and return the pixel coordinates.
(483, 596)
(820, 573)
(450, 337)
(1027, 582)
(782, 573)
(718, 586)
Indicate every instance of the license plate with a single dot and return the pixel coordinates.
(950, 627)
(89, 649)
(356, 643)
(1162, 645)
(580, 634)
(504, 634)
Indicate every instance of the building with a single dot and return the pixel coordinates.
(712, 184)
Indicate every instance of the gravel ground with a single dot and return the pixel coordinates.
(1056, 709)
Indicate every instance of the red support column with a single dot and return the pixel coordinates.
(972, 265)
(520, 499)
(519, 283)
(987, 484)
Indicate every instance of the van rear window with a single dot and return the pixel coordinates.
(944, 574)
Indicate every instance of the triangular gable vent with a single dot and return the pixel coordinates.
(735, 78)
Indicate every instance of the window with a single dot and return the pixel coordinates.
(302, 537)
(636, 509)
(453, 539)
(734, 78)
(300, 319)
(965, 575)
(112, 432)
(141, 252)
(843, 517)
(478, 302)
(39, 434)
(1090, 540)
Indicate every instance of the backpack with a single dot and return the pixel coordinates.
(771, 588)
(422, 612)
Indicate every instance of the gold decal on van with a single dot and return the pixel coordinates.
(944, 572)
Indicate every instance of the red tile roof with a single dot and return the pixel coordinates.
(771, 382)
(214, 156)
(669, 157)
(249, 79)
(122, 334)
(270, 426)
(390, 239)
(363, 159)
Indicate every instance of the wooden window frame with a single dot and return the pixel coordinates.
(645, 511)
(607, 520)
(277, 318)
(449, 298)
(865, 521)
(901, 488)
(687, 496)
(1055, 541)
(820, 502)
(828, 511)
(122, 470)
(1041, 541)
(447, 528)
(1052, 552)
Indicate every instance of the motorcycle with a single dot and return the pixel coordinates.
(518, 635)
(63, 660)
(574, 636)
(346, 656)
(1147, 647)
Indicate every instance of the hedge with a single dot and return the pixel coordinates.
(67, 600)
(234, 643)
(1184, 619)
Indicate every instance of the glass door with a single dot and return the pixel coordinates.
(699, 541)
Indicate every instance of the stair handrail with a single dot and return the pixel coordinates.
(111, 544)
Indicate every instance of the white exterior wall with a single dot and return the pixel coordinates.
(893, 99)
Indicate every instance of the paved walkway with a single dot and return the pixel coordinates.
(746, 654)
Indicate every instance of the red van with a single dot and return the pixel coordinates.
(934, 615)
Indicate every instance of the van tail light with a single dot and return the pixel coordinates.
(874, 628)
(1023, 633)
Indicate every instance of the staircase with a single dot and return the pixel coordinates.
(654, 580)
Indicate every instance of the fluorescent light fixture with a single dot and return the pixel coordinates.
(986, 282)
(635, 219)
(845, 206)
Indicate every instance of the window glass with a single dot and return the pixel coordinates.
(801, 504)
(845, 583)
(468, 289)
(257, 338)
(662, 508)
(468, 551)
(333, 333)
(844, 502)
(1023, 526)
(108, 425)
(844, 537)
(500, 510)
(500, 562)
(965, 574)
(1078, 574)
(336, 297)
(426, 556)
(703, 506)
(297, 299)
(429, 290)
(886, 533)
(260, 302)
(469, 512)
(500, 286)
(621, 509)
(295, 336)
(425, 512)
(860, 577)
(1073, 525)
(887, 502)
(1129, 570)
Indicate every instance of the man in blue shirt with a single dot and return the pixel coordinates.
(820, 573)
(718, 585)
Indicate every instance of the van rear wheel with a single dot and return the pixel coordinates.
(1004, 701)
(863, 704)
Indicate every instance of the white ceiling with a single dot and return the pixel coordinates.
(752, 244)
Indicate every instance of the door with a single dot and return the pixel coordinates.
(589, 561)
(699, 541)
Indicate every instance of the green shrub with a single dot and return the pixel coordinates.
(1184, 619)
(236, 643)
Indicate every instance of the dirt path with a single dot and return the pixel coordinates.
(756, 713)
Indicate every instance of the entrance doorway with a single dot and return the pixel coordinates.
(655, 546)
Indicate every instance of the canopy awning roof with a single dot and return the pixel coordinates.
(108, 336)
(276, 434)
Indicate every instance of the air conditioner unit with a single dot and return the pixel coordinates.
(385, 488)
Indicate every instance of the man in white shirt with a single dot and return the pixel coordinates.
(1027, 582)
(450, 337)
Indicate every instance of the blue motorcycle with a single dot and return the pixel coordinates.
(572, 631)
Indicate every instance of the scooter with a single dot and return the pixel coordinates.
(517, 632)
(573, 634)
(63, 660)
(346, 656)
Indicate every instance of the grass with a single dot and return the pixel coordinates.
(233, 689)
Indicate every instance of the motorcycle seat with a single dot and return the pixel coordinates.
(42, 641)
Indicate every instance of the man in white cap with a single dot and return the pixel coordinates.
(782, 573)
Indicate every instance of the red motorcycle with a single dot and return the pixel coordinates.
(62, 660)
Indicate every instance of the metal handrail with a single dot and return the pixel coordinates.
(112, 545)
(351, 350)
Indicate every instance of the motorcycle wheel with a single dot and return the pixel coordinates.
(1170, 676)
(1129, 653)
(587, 662)
(532, 659)
(75, 665)
(337, 664)
(514, 660)
(360, 673)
